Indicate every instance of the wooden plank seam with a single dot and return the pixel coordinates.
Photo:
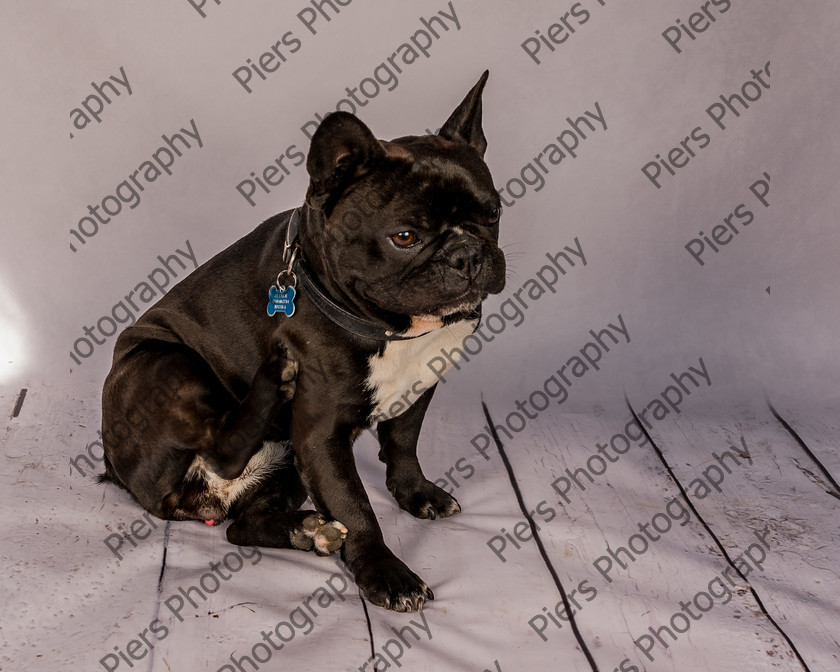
(717, 541)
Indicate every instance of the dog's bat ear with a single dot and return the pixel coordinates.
(464, 124)
(343, 150)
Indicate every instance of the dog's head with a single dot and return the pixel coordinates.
(409, 227)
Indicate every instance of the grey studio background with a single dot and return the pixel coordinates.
(669, 172)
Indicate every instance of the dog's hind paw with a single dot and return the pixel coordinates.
(319, 535)
(285, 371)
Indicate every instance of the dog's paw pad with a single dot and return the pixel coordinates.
(281, 369)
(328, 537)
(288, 389)
(289, 369)
(319, 535)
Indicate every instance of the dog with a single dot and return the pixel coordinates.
(218, 406)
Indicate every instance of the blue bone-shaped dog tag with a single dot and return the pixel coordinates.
(281, 301)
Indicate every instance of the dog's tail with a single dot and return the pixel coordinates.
(110, 476)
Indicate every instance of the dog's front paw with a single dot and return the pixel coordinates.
(426, 501)
(391, 584)
(316, 534)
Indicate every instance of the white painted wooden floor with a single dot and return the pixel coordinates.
(729, 525)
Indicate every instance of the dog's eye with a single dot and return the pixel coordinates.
(495, 215)
(404, 239)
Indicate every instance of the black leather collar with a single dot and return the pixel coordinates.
(355, 324)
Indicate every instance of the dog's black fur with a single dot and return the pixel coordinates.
(262, 411)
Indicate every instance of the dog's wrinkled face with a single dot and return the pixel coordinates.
(410, 226)
(423, 230)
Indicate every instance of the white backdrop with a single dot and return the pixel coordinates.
(614, 129)
(179, 67)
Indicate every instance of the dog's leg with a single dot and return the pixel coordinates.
(268, 517)
(325, 459)
(241, 431)
(167, 418)
(403, 475)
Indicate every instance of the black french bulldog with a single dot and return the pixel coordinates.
(214, 409)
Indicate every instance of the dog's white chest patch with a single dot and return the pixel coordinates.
(406, 369)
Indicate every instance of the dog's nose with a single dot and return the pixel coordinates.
(464, 258)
